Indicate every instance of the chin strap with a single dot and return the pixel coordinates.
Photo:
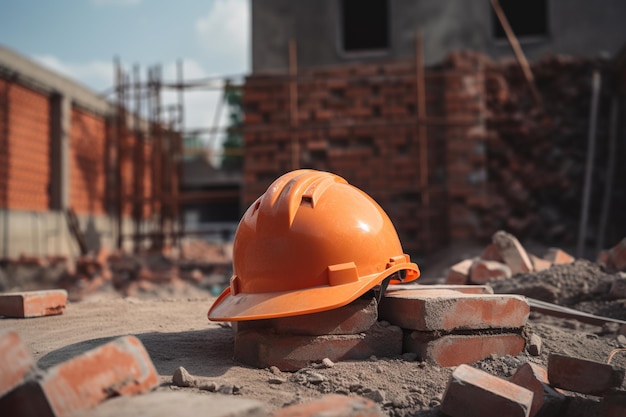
(380, 290)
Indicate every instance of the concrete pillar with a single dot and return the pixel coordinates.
(60, 120)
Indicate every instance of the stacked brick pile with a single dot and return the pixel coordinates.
(444, 325)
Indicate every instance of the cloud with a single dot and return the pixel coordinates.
(98, 75)
(123, 3)
(225, 33)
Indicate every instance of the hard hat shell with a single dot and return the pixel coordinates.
(312, 242)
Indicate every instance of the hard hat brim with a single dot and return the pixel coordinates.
(256, 306)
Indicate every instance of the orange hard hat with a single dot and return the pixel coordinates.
(312, 242)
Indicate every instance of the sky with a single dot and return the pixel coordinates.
(80, 38)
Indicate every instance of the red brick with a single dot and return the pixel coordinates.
(617, 256)
(33, 303)
(121, 367)
(614, 404)
(354, 318)
(491, 253)
(512, 252)
(557, 257)
(459, 273)
(583, 376)
(263, 349)
(472, 392)
(535, 378)
(454, 349)
(428, 310)
(483, 271)
(540, 264)
(465, 289)
(15, 361)
(333, 405)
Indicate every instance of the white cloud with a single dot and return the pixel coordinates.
(98, 75)
(115, 2)
(225, 33)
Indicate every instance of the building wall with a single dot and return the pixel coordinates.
(576, 27)
(87, 162)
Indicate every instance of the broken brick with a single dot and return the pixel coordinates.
(263, 349)
(491, 253)
(512, 252)
(472, 392)
(483, 271)
(459, 273)
(557, 257)
(583, 376)
(617, 256)
(535, 378)
(455, 349)
(33, 303)
(540, 264)
(354, 318)
(15, 360)
(333, 405)
(428, 310)
(121, 367)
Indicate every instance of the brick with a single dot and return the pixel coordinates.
(121, 367)
(262, 349)
(459, 273)
(33, 303)
(617, 256)
(455, 349)
(465, 289)
(483, 271)
(168, 404)
(512, 252)
(535, 378)
(354, 318)
(491, 253)
(333, 405)
(583, 376)
(15, 361)
(445, 310)
(558, 257)
(472, 392)
(539, 264)
(614, 404)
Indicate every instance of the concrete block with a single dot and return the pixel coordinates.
(15, 361)
(557, 257)
(512, 252)
(263, 349)
(354, 318)
(535, 378)
(483, 271)
(446, 310)
(168, 404)
(459, 273)
(333, 405)
(33, 303)
(583, 376)
(454, 349)
(121, 367)
(475, 393)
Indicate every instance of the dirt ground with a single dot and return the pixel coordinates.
(173, 326)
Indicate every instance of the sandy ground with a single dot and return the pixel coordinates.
(176, 333)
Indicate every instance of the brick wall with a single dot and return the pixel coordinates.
(87, 162)
(25, 145)
(361, 122)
